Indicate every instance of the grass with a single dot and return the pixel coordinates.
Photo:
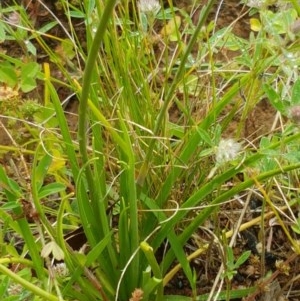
(142, 183)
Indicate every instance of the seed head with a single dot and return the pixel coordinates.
(15, 289)
(149, 6)
(14, 18)
(256, 3)
(227, 150)
(137, 295)
(61, 270)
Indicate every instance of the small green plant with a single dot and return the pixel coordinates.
(21, 77)
(232, 264)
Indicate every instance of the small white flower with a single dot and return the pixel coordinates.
(149, 6)
(15, 289)
(256, 3)
(61, 270)
(14, 18)
(227, 150)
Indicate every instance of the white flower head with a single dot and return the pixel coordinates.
(227, 150)
(149, 6)
(14, 18)
(256, 3)
(15, 289)
(61, 270)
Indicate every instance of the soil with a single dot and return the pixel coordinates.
(259, 122)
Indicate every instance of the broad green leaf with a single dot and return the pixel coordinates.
(51, 188)
(204, 136)
(225, 38)
(242, 258)
(8, 75)
(10, 205)
(30, 70)
(274, 98)
(28, 84)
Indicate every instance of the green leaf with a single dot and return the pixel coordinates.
(2, 34)
(30, 47)
(98, 249)
(41, 170)
(274, 98)
(68, 48)
(242, 258)
(279, 22)
(11, 188)
(77, 14)
(151, 285)
(296, 227)
(204, 136)
(8, 75)
(29, 73)
(4, 284)
(28, 84)
(296, 93)
(255, 24)
(48, 26)
(224, 38)
(10, 206)
(51, 188)
(166, 14)
(30, 70)
(230, 256)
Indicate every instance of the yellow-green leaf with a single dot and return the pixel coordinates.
(255, 24)
(58, 162)
(170, 29)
